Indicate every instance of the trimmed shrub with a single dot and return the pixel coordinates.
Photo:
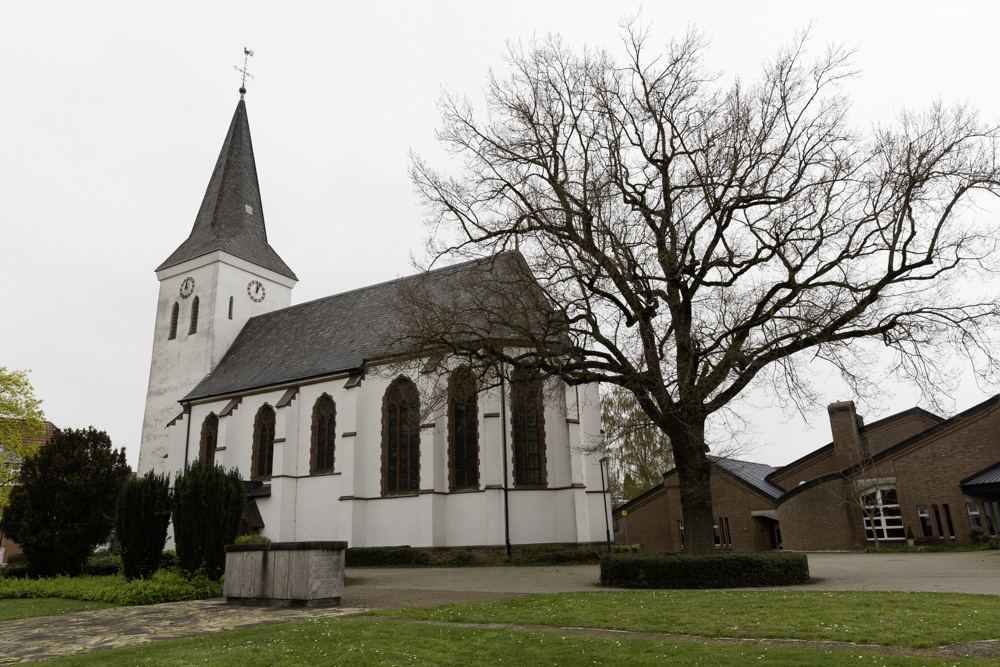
(142, 515)
(253, 538)
(207, 504)
(720, 570)
(403, 556)
(103, 564)
(554, 554)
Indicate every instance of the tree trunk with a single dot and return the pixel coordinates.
(694, 472)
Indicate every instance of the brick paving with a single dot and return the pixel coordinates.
(34, 639)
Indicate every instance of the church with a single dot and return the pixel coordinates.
(339, 434)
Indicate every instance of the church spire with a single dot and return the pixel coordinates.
(231, 218)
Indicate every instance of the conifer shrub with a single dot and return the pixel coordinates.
(735, 569)
(102, 564)
(207, 504)
(64, 505)
(142, 515)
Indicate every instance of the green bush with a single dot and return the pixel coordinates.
(168, 559)
(101, 564)
(141, 516)
(163, 586)
(720, 570)
(253, 538)
(625, 548)
(403, 556)
(554, 554)
(64, 503)
(207, 505)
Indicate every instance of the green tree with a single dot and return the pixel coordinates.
(22, 427)
(638, 452)
(207, 505)
(142, 515)
(691, 239)
(64, 505)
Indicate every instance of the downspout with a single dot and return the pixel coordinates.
(187, 437)
(503, 439)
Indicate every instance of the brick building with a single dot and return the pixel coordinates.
(912, 473)
(7, 547)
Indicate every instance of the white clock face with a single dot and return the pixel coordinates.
(256, 291)
(187, 287)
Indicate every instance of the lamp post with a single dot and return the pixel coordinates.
(604, 494)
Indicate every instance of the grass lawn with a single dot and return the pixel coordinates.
(915, 620)
(30, 608)
(372, 642)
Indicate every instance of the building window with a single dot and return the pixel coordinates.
(880, 508)
(723, 538)
(194, 317)
(925, 521)
(323, 434)
(263, 444)
(937, 520)
(974, 519)
(175, 313)
(209, 440)
(947, 517)
(463, 430)
(528, 425)
(991, 518)
(230, 307)
(401, 438)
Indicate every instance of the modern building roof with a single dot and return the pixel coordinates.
(985, 481)
(231, 217)
(751, 474)
(340, 333)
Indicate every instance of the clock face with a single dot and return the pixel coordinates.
(256, 291)
(187, 287)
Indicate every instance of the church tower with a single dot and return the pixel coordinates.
(221, 276)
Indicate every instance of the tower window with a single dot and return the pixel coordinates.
(230, 307)
(174, 314)
(528, 427)
(209, 440)
(400, 438)
(463, 417)
(324, 427)
(194, 317)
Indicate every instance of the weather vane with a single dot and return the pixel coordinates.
(246, 56)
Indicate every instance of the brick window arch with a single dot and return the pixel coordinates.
(175, 313)
(401, 438)
(262, 462)
(209, 439)
(463, 430)
(324, 431)
(528, 425)
(194, 317)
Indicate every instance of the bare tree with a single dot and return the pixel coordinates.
(689, 240)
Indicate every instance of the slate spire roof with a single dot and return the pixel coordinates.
(231, 217)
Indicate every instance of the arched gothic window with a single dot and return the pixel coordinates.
(463, 430)
(323, 433)
(175, 312)
(230, 307)
(263, 444)
(194, 317)
(209, 440)
(529, 429)
(401, 438)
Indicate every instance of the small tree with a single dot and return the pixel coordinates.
(142, 515)
(64, 505)
(639, 452)
(207, 505)
(22, 429)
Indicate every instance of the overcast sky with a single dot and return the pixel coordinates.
(113, 115)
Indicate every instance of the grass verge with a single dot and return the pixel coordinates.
(31, 608)
(369, 642)
(915, 620)
(164, 586)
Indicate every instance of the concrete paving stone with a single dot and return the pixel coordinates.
(37, 639)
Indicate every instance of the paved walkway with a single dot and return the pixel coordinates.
(33, 639)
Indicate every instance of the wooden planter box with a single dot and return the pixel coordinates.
(307, 574)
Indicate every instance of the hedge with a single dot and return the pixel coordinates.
(735, 569)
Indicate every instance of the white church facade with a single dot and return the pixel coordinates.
(337, 436)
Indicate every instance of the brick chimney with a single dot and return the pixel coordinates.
(845, 425)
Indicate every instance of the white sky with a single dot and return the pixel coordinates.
(112, 115)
